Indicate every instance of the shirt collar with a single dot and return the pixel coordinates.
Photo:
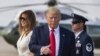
(56, 29)
(78, 33)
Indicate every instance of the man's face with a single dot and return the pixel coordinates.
(53, 18)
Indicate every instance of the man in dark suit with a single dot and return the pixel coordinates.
(52, 39)
(84, 44)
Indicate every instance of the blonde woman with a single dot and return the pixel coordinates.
(27, 21)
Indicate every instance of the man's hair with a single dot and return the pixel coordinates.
(52, 9)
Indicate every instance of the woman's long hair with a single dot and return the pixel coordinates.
(31, 21)
(85, 28)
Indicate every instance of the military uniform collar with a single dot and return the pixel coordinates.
(78, 33)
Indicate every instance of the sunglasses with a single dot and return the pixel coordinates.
(22, 18)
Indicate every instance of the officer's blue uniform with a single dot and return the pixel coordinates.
(84, 44)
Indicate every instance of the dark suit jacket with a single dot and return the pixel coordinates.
(87, 43)
(40, 37)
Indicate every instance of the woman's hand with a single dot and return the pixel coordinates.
(31, 54)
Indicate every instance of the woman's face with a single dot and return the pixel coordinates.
(24, 21)
(77, 26)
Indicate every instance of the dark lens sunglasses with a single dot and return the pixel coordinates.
(22, 18)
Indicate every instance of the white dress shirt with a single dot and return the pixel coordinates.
(77, 34)
(57, 38)
(22, 44)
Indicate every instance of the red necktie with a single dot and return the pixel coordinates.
(52, 43)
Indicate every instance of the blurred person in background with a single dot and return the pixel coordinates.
(84, 44)
(27, 21)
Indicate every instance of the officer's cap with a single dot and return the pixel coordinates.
(78, 18)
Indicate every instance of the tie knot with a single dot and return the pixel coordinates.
(52, 30)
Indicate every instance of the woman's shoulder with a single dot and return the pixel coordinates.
(30, 33)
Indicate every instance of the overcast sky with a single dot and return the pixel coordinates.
(8, 16)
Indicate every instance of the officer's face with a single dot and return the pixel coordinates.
(77, 26)
(53, 18)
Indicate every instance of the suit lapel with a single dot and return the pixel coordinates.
(46, 35)
(61, 41)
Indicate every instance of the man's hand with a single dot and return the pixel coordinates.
(45, 50)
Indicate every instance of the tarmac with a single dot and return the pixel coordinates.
(9, 50)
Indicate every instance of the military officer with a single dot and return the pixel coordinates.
(84, 44)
